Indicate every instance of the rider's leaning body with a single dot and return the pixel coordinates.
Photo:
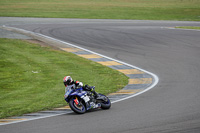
(67, 80)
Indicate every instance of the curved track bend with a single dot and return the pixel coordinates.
(173, 106)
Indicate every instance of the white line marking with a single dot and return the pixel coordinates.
(156, 79)
(34, 118)
(173, 28)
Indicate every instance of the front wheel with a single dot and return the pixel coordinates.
(77, 107)
(105, 104)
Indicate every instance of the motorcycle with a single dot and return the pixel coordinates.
(81, 101)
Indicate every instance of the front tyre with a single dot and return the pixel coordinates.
(77, 108)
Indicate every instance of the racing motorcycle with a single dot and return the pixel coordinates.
(80, 101)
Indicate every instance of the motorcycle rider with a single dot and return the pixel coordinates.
(67, 80)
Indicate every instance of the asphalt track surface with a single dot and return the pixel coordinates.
(173, 106)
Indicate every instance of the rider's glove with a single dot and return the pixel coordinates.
(80, 84)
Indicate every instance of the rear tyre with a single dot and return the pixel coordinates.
(79, 109)
(105, 104)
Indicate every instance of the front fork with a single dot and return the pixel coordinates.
(77, 101)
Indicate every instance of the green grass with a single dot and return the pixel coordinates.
(189, 27)
(103, 9)
(31, 77)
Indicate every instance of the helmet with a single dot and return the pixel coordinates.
(67, 80)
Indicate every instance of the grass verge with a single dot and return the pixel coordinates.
(189, 27)
(104, 9)
(31, 77)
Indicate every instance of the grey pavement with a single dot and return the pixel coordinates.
(173, 106)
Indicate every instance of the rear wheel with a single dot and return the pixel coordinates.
(77, 106)
(105, 104)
